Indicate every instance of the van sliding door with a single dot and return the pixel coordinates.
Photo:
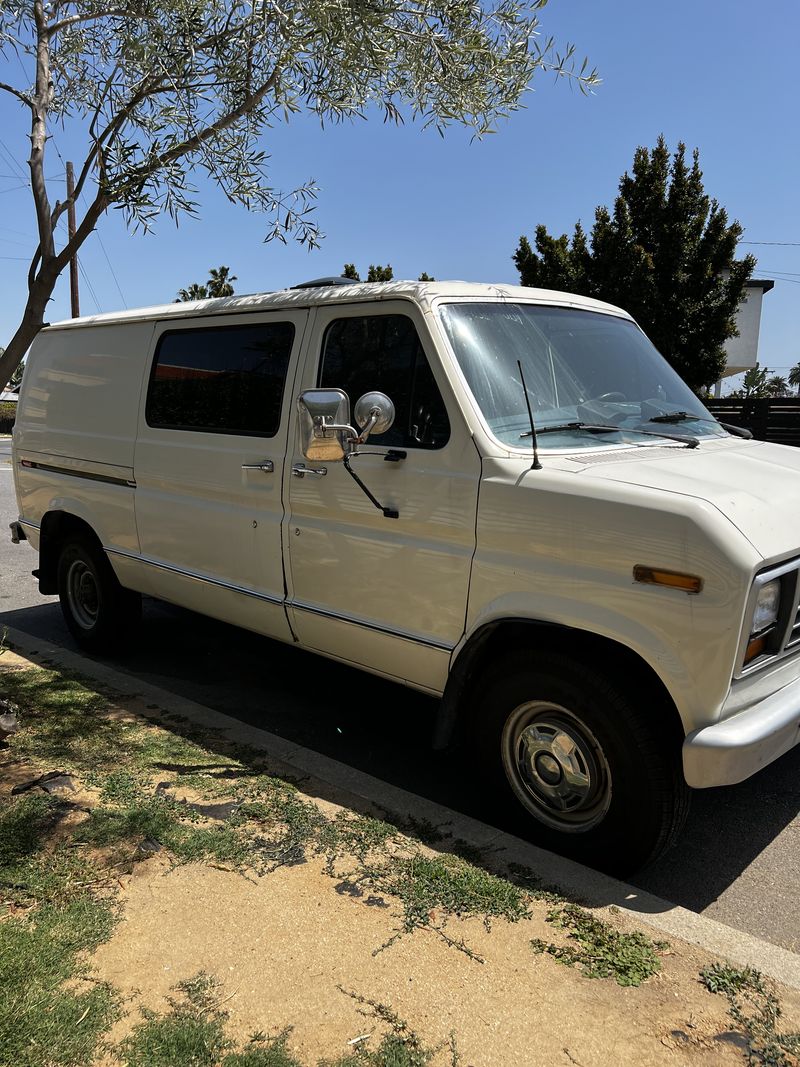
(209, 462)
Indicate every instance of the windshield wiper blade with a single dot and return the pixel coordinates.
(572, 426)
(676, 416)
(604, 427)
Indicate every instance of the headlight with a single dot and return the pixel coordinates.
(767, 604)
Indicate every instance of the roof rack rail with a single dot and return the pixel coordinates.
(319, 283)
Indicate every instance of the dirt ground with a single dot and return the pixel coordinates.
(286, 946)
(299, 948)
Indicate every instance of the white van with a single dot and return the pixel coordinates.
(534, 518)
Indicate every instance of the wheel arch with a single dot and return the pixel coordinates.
(506, 634)
(56, 527)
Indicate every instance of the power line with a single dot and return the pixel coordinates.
(108, 261)
(90, 287)
(12, 161)
(782, 244)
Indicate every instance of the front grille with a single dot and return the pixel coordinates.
(794, 632)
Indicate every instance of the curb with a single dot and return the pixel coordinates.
(590, 887)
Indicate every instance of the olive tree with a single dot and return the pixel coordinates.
(158, 90)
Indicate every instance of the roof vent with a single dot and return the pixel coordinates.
(320, 283)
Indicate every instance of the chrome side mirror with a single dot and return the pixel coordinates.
(325, 433)
(374, 413)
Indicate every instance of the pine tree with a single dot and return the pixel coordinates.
(380, 274)
(666, 254)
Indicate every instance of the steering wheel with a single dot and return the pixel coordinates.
(607, 398)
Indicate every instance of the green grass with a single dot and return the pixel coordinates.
(755, 1008)
(42, 1020)
(449, 884)
(599, 950)
(192, 1034)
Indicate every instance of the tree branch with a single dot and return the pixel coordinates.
(251, 101)
(106, 137)
(15, 92)
(90, 16)
(85, 227)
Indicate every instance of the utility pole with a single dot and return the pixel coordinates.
(73, 263)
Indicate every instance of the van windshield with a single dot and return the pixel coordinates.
(581, 369)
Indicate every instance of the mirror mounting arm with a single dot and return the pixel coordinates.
(388, 513)
(354, 437)
(325, 428)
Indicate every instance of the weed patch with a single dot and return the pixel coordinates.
(601, 951)
(192, 1034)
(756, 1009)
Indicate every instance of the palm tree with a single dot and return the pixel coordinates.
(777, 386)
(219, 284)
(794, 377)
(219, 281)
(194, 292)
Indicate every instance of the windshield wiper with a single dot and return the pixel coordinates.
(690, 442)
(682, 416)
(676, 416)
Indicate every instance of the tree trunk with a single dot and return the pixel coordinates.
(32, 322)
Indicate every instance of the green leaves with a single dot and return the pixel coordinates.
(165, 87)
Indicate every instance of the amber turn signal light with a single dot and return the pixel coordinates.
(689, 583)
(755, 646)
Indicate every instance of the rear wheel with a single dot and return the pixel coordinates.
(586, 769)
(99, 612)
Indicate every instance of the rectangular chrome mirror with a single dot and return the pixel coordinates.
(324, 424)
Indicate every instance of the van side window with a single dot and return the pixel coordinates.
(223, 379)
(384, 352)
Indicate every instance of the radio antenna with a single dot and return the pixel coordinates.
(536, 465)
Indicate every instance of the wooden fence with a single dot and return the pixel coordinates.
(768, 420)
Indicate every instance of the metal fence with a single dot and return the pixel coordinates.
(768, 420)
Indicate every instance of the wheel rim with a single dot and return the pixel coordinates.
(556, 767)
(82, 594)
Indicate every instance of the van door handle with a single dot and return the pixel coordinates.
(267, 466)
(300, 470)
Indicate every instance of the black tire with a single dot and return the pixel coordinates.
(99, 612)
(582, 769)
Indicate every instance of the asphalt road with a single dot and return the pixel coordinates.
(738, 860)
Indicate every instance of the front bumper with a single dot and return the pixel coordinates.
(735, 748)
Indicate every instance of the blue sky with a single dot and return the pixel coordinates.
(718, 74)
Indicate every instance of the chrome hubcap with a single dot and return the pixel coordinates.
(82, 594)
(556, 767)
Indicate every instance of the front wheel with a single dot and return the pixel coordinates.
(98, 611)
(586, 770)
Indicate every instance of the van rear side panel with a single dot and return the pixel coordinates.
(75, 431)
(81, 393)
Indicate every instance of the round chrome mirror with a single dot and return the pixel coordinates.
(373, 413)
